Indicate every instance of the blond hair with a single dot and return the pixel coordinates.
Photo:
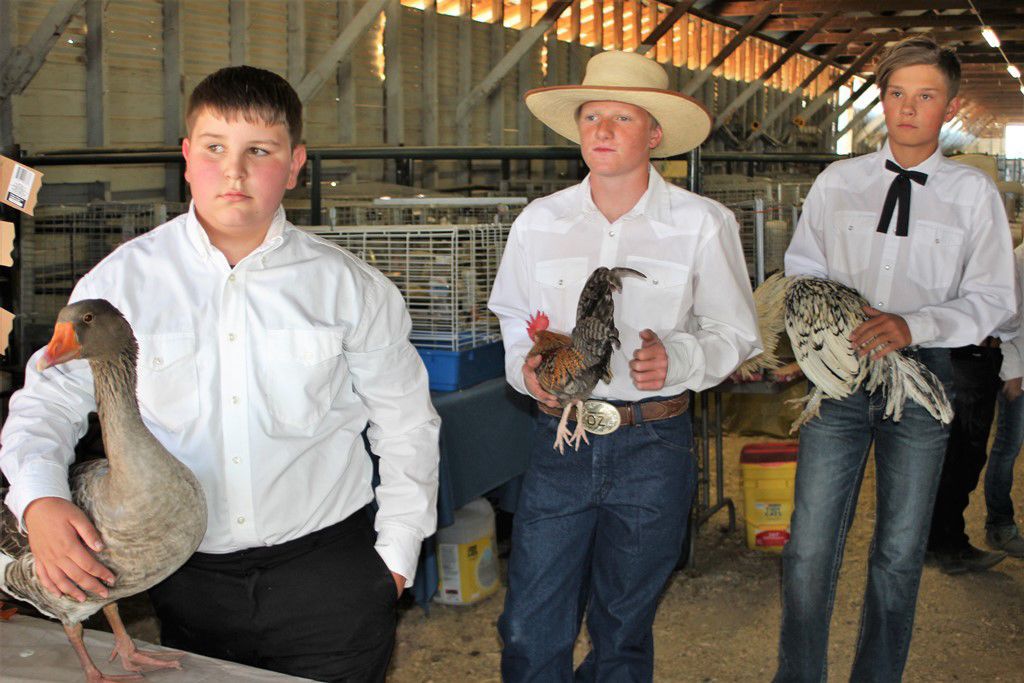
(920, 50)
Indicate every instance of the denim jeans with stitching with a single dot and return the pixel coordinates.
(598, 532)
(833, 453)
(1005, 449)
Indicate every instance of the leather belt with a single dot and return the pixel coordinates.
(602, 417)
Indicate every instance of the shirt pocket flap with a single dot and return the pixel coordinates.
(933, 233)
(560, 273)
(163, 352)
(304, 347)
(856, 221)
(660, 274)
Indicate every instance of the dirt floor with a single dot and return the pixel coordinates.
(719, 620)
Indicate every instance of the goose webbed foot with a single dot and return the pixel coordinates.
(92, 674)
(132, 658)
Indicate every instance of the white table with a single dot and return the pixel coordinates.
(34, 650)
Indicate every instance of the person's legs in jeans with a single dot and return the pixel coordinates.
(647, 475)
(908, 462)
(830, 468)
(999, 475)
(552, 536)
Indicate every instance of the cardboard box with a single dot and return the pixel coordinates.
(19, 185)
(6, 243)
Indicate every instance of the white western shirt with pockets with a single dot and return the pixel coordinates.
(696, 296)
(261, 379)
(950, 278)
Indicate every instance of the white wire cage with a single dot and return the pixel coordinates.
(766, 227)
(59, 244)
(413, 211)
(444, 272)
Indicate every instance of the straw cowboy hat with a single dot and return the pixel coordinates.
(625, 77)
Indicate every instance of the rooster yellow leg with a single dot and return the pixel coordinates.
(132, 658)
(562, 434)
(92, 674)
(579, 432)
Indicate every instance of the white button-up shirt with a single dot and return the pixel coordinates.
(951, 277)
(696, 296)
(261, 379)
(1013, 333)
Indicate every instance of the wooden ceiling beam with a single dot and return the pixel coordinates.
(666, 25)
(921, 21)
(752, 25)
(746, 8)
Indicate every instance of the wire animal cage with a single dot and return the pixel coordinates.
(414, 211)
(444, 272)
(766, 228)
(62, 243)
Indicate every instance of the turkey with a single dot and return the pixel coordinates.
(819, 315)
(572, 365)
(148, 507)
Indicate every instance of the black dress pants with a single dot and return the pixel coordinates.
(977, 384)
(320, 607)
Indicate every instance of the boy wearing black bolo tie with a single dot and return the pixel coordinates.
(925, 240)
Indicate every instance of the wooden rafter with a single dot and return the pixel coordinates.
(749, 27)
(22, 63)
(526, 41)
(799, 42)
(665, 26)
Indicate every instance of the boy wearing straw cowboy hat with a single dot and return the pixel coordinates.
(599, 529)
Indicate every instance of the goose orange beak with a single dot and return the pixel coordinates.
(63, 347)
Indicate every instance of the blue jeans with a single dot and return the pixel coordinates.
(1005, 449)
(833, 453)
(599, 531)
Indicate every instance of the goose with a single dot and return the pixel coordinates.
(147, 505)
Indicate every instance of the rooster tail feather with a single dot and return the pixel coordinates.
(904, 378)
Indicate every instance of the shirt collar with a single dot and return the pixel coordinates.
(929, 165)
(198, 238)
(653, 203)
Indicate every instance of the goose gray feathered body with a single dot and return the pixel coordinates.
(148, 507)
(820, 315)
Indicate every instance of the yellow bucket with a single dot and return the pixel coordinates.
(769, 472)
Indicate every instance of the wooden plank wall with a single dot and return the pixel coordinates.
(50, 114)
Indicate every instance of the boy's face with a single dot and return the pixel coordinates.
(616, 138)
(238, 171)
(916, 104)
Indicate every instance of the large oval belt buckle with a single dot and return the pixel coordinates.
(600, 417)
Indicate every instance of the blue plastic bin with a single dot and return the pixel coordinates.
(452, 370)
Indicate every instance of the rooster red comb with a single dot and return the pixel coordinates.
(538, 322)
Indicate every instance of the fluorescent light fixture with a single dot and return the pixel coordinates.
(990, 37)
(1013, 70)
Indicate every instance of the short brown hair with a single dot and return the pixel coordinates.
(920, 50)
(257, 95)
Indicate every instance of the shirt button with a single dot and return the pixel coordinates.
(234, 399)
(231, 336)
(888, 267)
(231, 278)
(559, 282)
(611, 233)
(236, 460)
(880, 303)
(240, 520)
(654, 281)
(158, 361)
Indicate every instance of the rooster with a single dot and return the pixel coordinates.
(819, 316)
(572, 365)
